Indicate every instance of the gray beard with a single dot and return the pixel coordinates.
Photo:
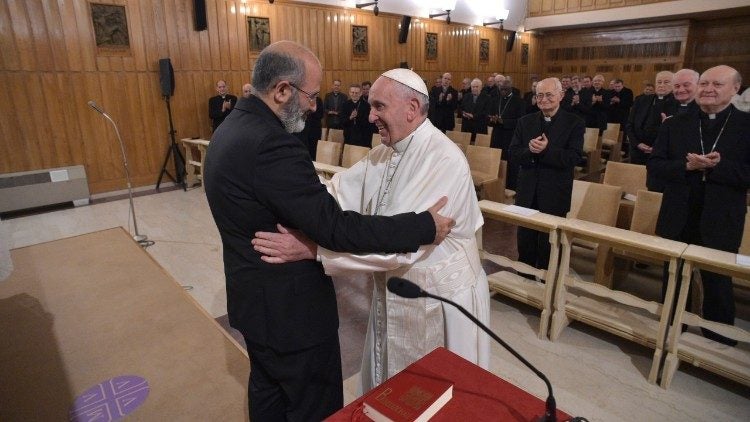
(291, 116)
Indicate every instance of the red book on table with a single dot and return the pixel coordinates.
(478, 395)
(408, 397)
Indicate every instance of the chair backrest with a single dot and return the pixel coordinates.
(615, 127)
(630, 177)
(646, 212)
(328, 152)
(376, 140)
(591, 140)
(495, 191)
(489, 131)
(336, 135)
(595, 202)
(483, 159)
(482, 140)
(352, 154)
(610, 136)
(745, 245)
(463, 138)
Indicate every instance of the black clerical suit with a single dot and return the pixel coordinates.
(313, 130)
(334, 102)
(479, 108)
(357, 131)
(644, 122)
(597, 115)
(531, 106)
(545, 180)
(618, 112)
(215, 105)
(582, 107)
(443, 107)
(508, 109)
(708, 212)
(257, 176)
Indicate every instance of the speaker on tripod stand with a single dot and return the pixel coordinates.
(166, 80)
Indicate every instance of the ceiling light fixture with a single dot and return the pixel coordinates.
(368, 4)
(500, 18)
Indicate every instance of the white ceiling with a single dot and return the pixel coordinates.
(467, 11)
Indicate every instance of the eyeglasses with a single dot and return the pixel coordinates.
(310, 97)
(547, 95)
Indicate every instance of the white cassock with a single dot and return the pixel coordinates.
(412, 176)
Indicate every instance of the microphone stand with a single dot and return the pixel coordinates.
(550, 414)
(142, 239)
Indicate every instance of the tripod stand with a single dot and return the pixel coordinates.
(173, 150)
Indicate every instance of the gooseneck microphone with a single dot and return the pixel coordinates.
(142, 239)
(406, 289)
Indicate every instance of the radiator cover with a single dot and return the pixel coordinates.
(31, 189)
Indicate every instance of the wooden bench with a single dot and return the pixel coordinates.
(192, 177)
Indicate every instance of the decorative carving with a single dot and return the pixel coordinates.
(359, 41)
(110, 24)
(430, 46)
(259, 33)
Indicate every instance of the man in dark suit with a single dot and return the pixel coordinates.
(443, 100)
(576, 100)
(355, 119)
(259, 176)
(704, 161)
(547, 145)
(333, 103)
(598, 97)
(474, 110)
(505, 111)
(646, 117)
(219, 106)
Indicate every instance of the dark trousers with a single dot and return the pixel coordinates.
(718, 293)
(533, 247)
(304, 385)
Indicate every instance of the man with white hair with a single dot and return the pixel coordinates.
(546, 145)
(684, 87)
(414, 163)
(704, 161)
(646, 117)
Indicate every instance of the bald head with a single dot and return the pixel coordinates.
(283, 60)
(716, 87)
(247, 90)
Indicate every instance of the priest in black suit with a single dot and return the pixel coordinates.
(475, 106)
(646, 116)
(599, 98)
(219, 106)
(547, 145)
(704, 161)
(506, 109)
(259, 176)
(443, 101)
(355, 118)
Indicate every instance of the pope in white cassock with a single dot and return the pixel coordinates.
(415, 165)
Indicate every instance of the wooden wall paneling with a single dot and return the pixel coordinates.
(22, 34)
(232, 47)
(138, 32)
(12, 144)
(9, 60)
(69, 112)
(53, 24)
(53, 136)
(85, 38)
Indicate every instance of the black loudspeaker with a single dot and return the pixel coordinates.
(166, 77)
(511, 40)
(403, 33)
(199, 9)
(404, 65)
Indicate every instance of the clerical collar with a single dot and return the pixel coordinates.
(714, 116)
(400, 146)
(661, 97)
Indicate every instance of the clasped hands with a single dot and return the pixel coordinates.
(292, 245)
(538, 144)
(702, 162)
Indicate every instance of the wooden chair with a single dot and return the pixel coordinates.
(329, 152)
(631, 178)
(326, 170)
(352, 154)
(645, 213)
(730, 362)
(376, 140)
(617, 312)
(192, 164)
(482, 140)
(613, 127)
(463, 138)
(592, 148)
(595, 202)
(484, 163)
(457, 127)
(496, 191)
(336, 135)
(507, 283)
(612, 141)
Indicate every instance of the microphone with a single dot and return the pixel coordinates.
(406, 289)
(93, 105)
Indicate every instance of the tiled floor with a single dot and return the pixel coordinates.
(594, 374)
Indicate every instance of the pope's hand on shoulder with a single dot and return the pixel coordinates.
(284, 246)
